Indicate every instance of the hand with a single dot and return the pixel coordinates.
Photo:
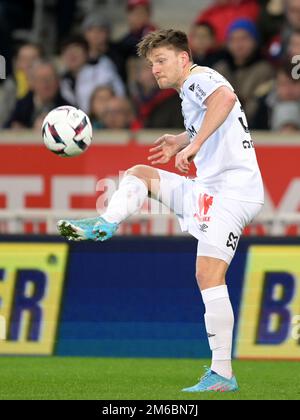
(166, 147)
(185, 157)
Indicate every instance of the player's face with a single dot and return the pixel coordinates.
(168, 66)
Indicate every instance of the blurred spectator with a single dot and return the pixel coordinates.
(82, 77)
(279, 109)
(293, 46)
(99, 101)
(91, 76)
(204, 45)
(224, 12)
(65, 11)
(155, 108)
(118, 114)
(293, 14)
(17, 86)
(271, 19)
(279, 44)
(139, 22)
(84, 73)
(244, 68)
(38, 122)
(97, 32)
(16, 14)
(74, 57)
(43, 97)
(286, 117)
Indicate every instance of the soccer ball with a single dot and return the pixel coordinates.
(67, 131)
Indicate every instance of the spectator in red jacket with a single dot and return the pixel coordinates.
(224, 12)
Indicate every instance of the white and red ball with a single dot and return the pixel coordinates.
(67, 131)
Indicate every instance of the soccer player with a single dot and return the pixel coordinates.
(215, 206)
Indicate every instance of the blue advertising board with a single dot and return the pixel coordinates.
(138, 297)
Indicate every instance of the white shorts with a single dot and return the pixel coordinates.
(216, 221)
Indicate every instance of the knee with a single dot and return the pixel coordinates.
(210, 272)
(202, 279)
(206, 279)
(148, 175)
(140, 171)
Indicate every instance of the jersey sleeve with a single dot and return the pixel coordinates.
(202, 85)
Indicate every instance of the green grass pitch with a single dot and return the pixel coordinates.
(56, 378)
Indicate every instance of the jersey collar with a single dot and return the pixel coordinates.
(190, 71)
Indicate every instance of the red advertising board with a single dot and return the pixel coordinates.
(31, 177)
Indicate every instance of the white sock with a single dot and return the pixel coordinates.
(219, 321)
(127, 200)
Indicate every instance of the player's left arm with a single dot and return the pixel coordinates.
(219, 105)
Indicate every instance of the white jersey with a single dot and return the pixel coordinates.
(226, 163)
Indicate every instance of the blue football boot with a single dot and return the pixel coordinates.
(212, 382)
(94, 229)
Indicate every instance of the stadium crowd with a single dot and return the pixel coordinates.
(252, 43)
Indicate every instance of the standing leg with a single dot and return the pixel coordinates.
(219, 319)
(219, 323)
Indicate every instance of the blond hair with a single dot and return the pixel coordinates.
(164, 38)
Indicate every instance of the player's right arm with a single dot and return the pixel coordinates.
(168, 146)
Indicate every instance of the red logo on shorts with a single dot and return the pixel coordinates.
(205, 202)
